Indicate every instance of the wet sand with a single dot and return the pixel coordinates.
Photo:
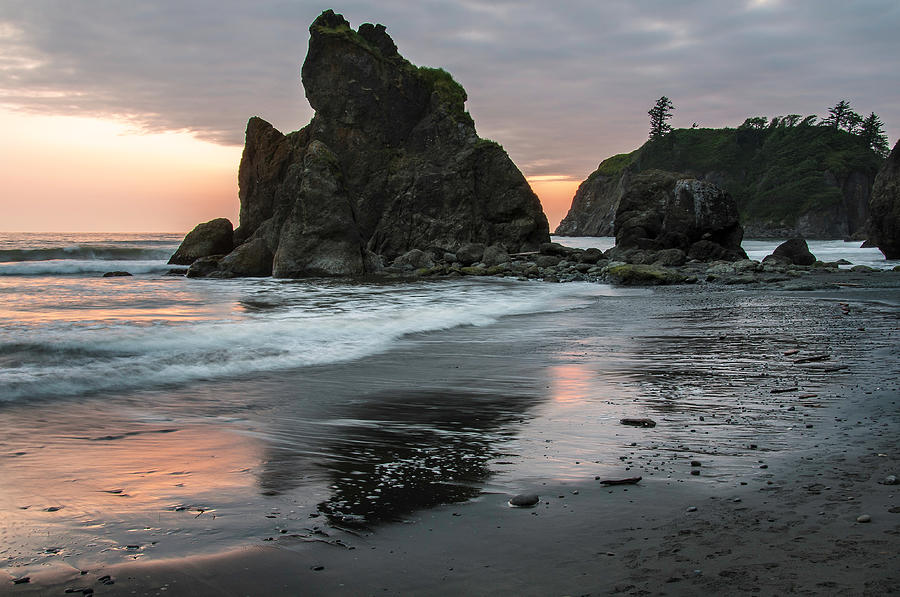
(341, 492)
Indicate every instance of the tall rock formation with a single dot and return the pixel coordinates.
(802, 180)
(665, 218)
(390, 162)
(884, 209)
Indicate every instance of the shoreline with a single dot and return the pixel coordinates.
(562, 545)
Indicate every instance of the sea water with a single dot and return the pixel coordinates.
(65, 330)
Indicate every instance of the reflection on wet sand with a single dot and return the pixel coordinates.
(393, 453)
(80, 486)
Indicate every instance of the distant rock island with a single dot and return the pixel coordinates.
(389, 163)
(802, 180)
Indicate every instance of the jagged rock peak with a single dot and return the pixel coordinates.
(390, 162)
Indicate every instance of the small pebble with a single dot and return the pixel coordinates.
(692, 509)
(864, 518)
(695, 463)
(523, 500)
(695, 472)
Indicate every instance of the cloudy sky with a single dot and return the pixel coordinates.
(125, 115)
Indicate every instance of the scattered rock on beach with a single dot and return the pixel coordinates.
(794, 251)
(524, 500)
(116, 274)
(628, 481)
(889, 480)
(864, 518)
(638, 422)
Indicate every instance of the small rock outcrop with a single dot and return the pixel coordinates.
(794, 251)
(664, 219)
(389, 163)
(884, 209)
(215, 237)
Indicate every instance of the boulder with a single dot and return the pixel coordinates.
(660, 210)
(494, 255)
(250, 259)
(215, 237)
(794, 251)
(591, 255)
(389, 163)
(884, 208)
(414, 259)
(470, 253)
(204, 266)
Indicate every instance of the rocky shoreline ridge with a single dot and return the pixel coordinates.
(556, 263)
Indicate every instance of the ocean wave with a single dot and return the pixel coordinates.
(124, 357)
(85, 253)
(62, 267)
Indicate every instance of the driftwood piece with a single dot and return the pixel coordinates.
(813, 359)
(638, 422)
(628, 481)
(784, 390)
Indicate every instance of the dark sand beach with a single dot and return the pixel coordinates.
(776, 419)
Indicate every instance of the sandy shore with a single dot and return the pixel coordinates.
(784, 474)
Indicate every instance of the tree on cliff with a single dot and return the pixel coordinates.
(842, 117)
(872, 132)
(659, 114)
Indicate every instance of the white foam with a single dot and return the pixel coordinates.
(64, 267)
(122, 357)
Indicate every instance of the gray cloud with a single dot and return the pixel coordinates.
(561, 86)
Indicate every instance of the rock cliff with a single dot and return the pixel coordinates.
(389, 163)
(884, 209)
(802, 180)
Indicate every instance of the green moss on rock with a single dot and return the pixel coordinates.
(643, 275)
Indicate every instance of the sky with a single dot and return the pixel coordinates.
(130, 116)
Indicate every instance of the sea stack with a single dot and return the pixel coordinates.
(884, 209)
(665, 219)
(389, 163)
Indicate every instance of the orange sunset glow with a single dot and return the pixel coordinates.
(75, 174)
(79, 174)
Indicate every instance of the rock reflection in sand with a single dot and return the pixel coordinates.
(396, 453)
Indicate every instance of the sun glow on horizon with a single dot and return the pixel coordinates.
(80, 174)
(555, 192)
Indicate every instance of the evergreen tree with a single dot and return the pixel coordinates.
(842, 117)
(872, 131)
(659, 114)
(755, 122)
